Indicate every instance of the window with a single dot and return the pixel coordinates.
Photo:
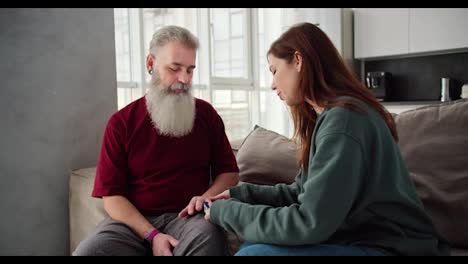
(129, 70)
(229, 38)
(232, 71)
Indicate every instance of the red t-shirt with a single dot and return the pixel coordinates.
(156, 173)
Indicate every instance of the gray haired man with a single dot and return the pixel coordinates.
(162, 156)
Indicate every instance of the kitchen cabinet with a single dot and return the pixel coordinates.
(434, 29)
(380, 32)
(383, 32)
(335, 22)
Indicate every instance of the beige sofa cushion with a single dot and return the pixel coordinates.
(266, 157)
(85, 211)
(434, 145)
(235, 145)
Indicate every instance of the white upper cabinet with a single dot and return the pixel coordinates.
(380, 32)
(437, 29)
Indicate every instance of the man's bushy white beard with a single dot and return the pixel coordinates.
(171, 114)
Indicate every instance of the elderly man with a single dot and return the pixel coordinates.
(161, 157)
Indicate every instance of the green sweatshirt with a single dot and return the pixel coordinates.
(356, 191)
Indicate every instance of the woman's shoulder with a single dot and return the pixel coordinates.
(338, 119)
(340, 113)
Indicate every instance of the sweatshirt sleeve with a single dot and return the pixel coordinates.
(332, 183)
(276, 195)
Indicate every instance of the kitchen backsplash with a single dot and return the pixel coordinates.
(419, 78)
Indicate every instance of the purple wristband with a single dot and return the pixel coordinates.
(151, 235)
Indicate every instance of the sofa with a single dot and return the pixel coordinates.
(433, 142)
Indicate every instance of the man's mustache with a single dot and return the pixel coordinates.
(178, 86)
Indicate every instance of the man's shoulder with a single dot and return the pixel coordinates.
(203, 106)
(137, 104)
(129, 112)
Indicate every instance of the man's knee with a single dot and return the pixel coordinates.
(207, 228)
(203, 238)
(104, 246)
(88, 247)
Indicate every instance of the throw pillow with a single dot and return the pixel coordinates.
(266, 157)
(434, 145)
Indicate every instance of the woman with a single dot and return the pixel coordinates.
(353, 195)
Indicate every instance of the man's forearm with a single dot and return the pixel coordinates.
(120, 209)
(222, 182)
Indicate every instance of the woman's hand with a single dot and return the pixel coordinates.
(207, 210)
(224, 195)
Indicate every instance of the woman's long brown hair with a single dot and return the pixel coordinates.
(324, 77)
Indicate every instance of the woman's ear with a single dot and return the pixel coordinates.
(298, 61)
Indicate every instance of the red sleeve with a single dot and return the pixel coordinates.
(223, 159)
(112, 163)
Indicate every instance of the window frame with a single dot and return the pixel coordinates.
(226, 83)
(208, 83)
(136, 55)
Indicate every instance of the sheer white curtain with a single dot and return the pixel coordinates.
(232, 69)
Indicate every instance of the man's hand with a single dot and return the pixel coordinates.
(163, 245)
(195, 205)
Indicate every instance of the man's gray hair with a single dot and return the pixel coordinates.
(171, 33)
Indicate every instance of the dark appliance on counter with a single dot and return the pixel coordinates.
(379, 83)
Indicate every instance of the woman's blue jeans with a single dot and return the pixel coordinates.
(249, 249)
